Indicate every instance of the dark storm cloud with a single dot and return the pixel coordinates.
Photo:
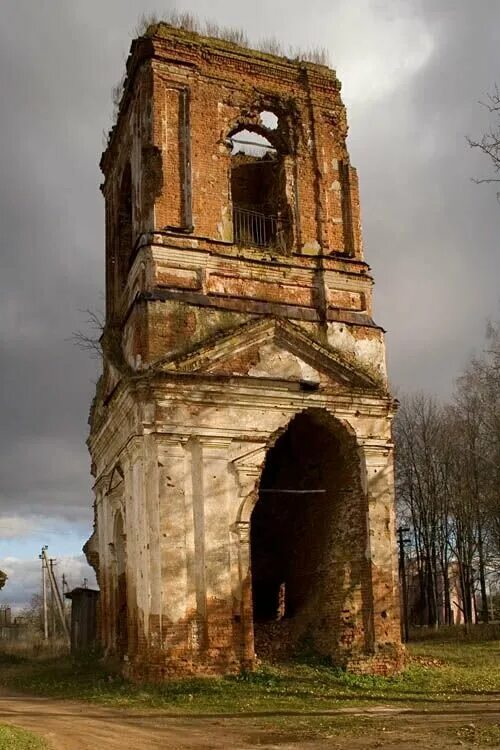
(55, 106)
(432, 233)
(412, 73)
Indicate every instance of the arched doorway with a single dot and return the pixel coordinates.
(121, 609)
(308, 542)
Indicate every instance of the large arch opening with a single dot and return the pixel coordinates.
(121, 607)
(308, 541)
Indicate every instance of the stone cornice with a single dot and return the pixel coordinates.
(170, 241)
(114, 436)
(196, 388)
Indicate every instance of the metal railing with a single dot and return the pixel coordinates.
(258, 229)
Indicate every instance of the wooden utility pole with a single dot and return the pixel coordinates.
(64, 591)
(402, 530)
(45, 618)
(52, 601)
(56, 594)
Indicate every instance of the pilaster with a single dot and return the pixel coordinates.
(217, 520)
(176, 544)
(381, 548)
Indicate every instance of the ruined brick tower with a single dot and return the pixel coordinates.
(240, 434)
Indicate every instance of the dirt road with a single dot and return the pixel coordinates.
(71, 725)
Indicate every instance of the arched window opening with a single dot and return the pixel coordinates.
(125, 225)
(261, 214)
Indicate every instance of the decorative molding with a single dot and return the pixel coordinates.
(242, 531)
(214, 441)
(285, 334)
(375, 452)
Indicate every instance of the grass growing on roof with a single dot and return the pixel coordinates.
(150, 24)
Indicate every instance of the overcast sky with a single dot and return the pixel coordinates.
(412, 72)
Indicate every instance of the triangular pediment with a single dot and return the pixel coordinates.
(270, 348)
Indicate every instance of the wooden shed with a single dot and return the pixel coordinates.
(83, 618)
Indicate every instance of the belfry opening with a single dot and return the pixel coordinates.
(306, 562)
(261, 214)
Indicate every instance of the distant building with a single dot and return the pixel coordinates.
(11, 629)
(418, 608)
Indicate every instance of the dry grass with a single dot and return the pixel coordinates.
(270, 45)
(148, 23)
(34, 647)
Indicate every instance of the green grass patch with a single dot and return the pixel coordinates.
(279, 730)
(12, 738)
(472, 735)
(481, 632)
(435, 672)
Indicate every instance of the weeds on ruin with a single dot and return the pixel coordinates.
(189, 22)
(317, 55)
(147, 23)
(232, 34)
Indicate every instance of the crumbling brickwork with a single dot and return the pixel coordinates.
(240, 433)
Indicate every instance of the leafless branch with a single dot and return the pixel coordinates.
(89, 340)
(489, 143)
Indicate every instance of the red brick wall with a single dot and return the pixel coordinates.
(228, 87)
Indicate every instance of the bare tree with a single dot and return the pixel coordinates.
(487, 375)
(448, 487)
(489, 143)
(90, 339)
(423, 495)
